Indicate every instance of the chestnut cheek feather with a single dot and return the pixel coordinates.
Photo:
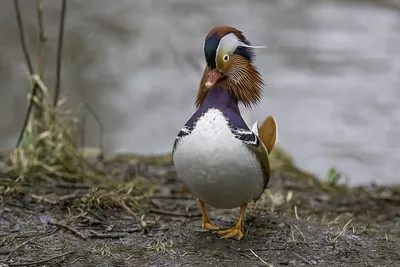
(241, 79)
(244, 81)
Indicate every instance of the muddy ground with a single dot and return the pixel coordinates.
(299, 221)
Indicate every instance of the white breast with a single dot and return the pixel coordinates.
(217, 167)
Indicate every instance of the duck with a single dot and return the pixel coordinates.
(218, 158)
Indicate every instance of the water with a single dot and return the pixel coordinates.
(332, 71)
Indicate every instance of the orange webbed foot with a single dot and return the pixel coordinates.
(237, 230)
(231, 233)
(207, 225)
(205, 222)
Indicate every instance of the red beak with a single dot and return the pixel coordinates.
(213, 77)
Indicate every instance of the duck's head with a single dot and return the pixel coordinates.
(229, 57)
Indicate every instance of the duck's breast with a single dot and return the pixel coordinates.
(216, 166)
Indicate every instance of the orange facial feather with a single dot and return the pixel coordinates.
(243, 81)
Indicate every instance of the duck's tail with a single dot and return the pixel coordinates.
(267, 132)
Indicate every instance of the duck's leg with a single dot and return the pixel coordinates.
(205, 222)
(237, 229)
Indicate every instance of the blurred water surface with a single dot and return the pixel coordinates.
(332, 70)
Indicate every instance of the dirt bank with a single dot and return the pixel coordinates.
(149, 221)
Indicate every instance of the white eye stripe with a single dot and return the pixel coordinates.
(227, 45)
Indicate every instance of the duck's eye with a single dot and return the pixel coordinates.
(226, 57)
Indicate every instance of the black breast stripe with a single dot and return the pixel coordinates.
(246, 136)
(184, 131)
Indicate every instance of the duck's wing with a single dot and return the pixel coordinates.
(253, 143)
(254, 129)
(268, 133)
(260, 141)
(261, 153)
(247, 136)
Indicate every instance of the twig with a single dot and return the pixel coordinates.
(172, 197)
(108, 235)
(266, 249)
(3, 241)
(343, 230)
(133, 230)
(59, 52)
(42, 37)
(173, 213)
(41, 261)
(304, 238)
(75, 186)
(17, 247)
(40, 63)
(27, 114)
(30, 68)
(130, 257)
(27, 234)
(70, 197)
(82, 135)
(301, 257)
(99, 123)
(22, 36)
(69, 228)
(258, 257)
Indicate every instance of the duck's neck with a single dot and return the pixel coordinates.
(220, 98)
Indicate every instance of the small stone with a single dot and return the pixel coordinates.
(109, 228)
(45, 218)
(15, 228)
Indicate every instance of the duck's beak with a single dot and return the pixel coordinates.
(213, 77)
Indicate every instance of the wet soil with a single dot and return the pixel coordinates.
(299, 221)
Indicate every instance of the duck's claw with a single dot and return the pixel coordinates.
(237, 230)
(207, 225)
(231, 233)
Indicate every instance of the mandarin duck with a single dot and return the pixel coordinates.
(217, 157)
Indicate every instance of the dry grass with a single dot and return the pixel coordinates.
(46, 147)
(47, 164)
(126, 196)
(50, 152)
(160, 246)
